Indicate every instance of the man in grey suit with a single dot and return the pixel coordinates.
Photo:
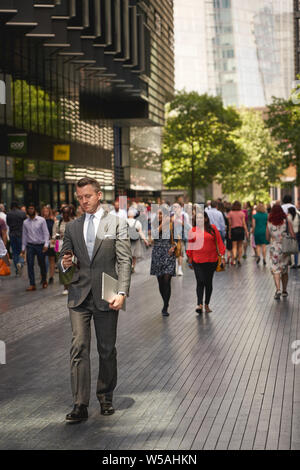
(97, 242)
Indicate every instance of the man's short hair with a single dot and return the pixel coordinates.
(14, 205)
(86, 180)
(287, 199)
(214, 204)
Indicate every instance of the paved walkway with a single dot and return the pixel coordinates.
(221, 381)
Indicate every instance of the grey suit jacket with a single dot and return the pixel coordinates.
(112, 255)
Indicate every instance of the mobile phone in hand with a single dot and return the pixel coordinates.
(68, 253)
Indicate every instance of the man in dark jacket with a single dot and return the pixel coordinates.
(15, 219)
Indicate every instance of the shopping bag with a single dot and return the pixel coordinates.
(4, 269)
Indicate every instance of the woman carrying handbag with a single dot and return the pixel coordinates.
(163, 260)
(205, 258)
(277, 229)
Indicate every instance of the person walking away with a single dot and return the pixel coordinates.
(181, 230)
(50, 254)
(187, 224)
(136, 234)
(117, 211)
(259, 226)
(100, 243)
(15, 220)
(237, 231)
(250, 214)
(204, 260)
(163, 260)
(216, 218)
(287, 203)
(35, 240)
(245, 243)
(228, 240)
(58, 233)
(294, 218)
(276, 228)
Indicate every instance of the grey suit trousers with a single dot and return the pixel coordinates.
(106, 333)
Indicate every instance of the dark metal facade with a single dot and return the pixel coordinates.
(76, 71)
(118, 54)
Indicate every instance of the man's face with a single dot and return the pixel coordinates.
(117, 205)
(177, 209)
(88, 198)
(66, 213)
(31, 211)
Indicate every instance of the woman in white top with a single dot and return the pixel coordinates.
(136, 234)
(294, 218)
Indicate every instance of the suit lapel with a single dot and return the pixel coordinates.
(100, 235)
(80, 236)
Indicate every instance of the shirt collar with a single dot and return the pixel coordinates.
(97, 214)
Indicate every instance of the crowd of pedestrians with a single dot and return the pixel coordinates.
(179, 235)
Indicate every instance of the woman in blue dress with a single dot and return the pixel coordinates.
(259, 227)
(163, 262)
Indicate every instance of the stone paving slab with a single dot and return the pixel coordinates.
(220, 381)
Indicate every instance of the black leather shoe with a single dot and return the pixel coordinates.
(78, 414)
(165, 313)
(107, 408)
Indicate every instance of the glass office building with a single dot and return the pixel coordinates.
(241, 50)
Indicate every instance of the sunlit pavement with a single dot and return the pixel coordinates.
(225, 380)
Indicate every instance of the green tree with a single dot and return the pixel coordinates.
(198, 144)
(284, 123)
(35, 111)
(262, 164)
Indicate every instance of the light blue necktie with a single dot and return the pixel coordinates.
(90, 236)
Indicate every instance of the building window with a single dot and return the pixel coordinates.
(226, 3)
(171, 37)
(158, 23)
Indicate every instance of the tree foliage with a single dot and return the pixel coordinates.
(284, 123)
(198, 144)
(262, 164)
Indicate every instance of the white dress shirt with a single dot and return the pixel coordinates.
(285, 207)
(216, 217)
(96, 221)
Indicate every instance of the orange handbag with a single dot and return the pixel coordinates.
(220, 266)
(4, 269)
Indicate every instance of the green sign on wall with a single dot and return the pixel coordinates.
(17, 144)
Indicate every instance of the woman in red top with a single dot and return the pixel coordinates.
(203, 256)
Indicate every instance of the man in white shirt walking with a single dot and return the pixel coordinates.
(216, 217)
(287, 203)
(117, 211)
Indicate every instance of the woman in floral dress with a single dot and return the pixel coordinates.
(276, 227)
